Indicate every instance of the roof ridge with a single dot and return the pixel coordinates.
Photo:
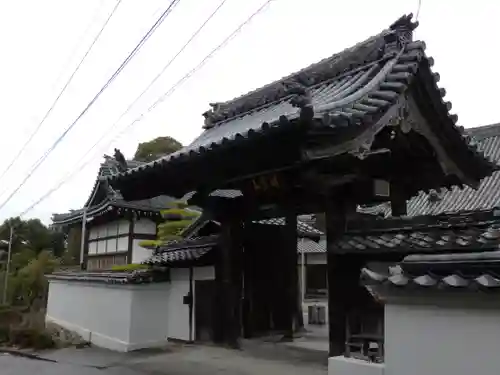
(484, 131)
(330, 67)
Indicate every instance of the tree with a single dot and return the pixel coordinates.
(32, 234)
(156, 148)
(177, 219)
(72, 254)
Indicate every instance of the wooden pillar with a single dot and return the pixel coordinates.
(339, 275)
(290, 273)
(230, 281)
(130, 245)
(398, 201)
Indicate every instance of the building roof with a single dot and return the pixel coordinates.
(472, 231)
(103, 198)
(479, 271)
(111, 277)
(344, 95)
(193, 247)
(182, 252)
(456, 199)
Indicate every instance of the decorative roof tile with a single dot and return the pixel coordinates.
(456, 199)
(353, 88)
(441, 272)
(473, 231)
(307, 246)
(111, 277)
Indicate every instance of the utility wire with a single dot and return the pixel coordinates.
(418, 10)
(54, 103)
(75, 171)
(80, 40)
(137, 48)
(153, 81)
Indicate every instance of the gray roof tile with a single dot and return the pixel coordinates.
(453, 200)
(110, 277)
(440, 272)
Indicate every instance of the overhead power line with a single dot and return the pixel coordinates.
(137, 48)
(63, 90)
(81, 38)
(81, 167)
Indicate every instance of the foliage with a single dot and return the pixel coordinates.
(177, 220)
(28, 285)
(156, 148)
(27, 337)
(129, 267)
(71, 255)
(149, 243)
(30, 234)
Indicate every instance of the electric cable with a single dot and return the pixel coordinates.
(137, 48)
(75, 171)
(56, 100)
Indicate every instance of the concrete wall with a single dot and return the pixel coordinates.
(125, 317)
(178, 312)
(350, 366)
(117, 317)
(440, 340)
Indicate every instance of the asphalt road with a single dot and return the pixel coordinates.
(177, 360)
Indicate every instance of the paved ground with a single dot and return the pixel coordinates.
(255, 358)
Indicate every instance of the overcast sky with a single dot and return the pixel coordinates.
(40, 51)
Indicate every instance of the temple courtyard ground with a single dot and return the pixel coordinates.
(256, 357)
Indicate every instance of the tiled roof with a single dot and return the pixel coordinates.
(308, 246)
(178, 255)
(347, 90)
(475, 231)
(454, 200)
(110, 277)
(186, 250)
(152, 206)
(470, 271)
(302, 227)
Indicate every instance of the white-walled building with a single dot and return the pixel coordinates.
(113, 227)
(441, 316)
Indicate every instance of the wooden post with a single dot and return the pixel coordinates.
(290, 272)
(230, 277)
(338, 276)
(398, 201)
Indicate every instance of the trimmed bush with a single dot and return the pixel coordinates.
(129, 267)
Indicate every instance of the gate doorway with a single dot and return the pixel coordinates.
(204, 291)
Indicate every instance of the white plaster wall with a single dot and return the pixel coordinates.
(123, 226)
(100, 314)
(117, 317)
(438, 340)
(145, 226)
(315, 258)
(149, 324)
(114, 245)
(351, 366)
(178, 313)
(139, 254)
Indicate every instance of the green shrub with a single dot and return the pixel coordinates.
(30, 338)
(129, 267)
(150, 243)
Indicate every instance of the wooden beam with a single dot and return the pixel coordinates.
(130, 248)
(398, 201)
(229, 280)
(338, 273)
(290, 271)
